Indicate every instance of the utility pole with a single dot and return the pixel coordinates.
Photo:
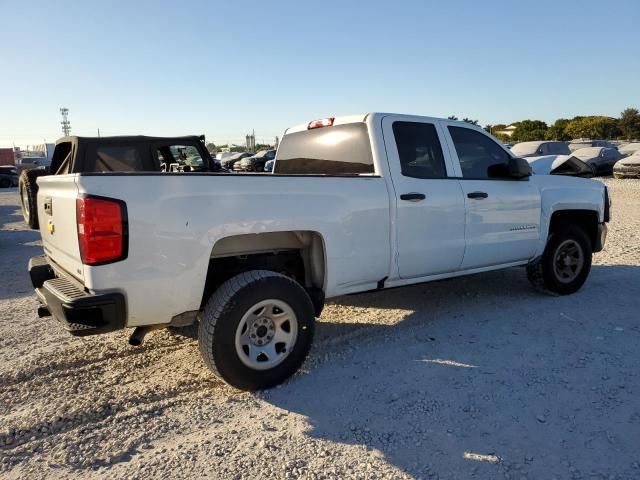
(66, 125)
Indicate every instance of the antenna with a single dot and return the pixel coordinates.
(66, 125)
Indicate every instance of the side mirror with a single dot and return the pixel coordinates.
(519, 168)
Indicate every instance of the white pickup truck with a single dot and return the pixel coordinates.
(355, 203)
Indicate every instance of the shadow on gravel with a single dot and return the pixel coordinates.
(484, 377)
(17, 246)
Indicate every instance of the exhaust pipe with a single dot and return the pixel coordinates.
(137, 337)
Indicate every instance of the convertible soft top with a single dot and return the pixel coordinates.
(74, 154)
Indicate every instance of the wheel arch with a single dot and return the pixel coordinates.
(299, 254)
(584, 218)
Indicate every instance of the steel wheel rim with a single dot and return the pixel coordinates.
(568, 261)
(266, 334)
(25, 202)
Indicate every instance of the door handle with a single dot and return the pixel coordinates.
(477, 195)
(413, 196)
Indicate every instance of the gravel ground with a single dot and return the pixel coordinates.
(474, 377)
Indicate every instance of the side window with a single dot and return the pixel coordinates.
(419, 150)
(480, 157)
(118, 159)
(179, 158)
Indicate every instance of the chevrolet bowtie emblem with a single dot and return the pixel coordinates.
(50, 227)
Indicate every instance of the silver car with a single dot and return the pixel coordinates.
(628, 166)
(579, 144)
(536, 149)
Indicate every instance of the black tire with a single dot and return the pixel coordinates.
(544, 274)
(5, 183)
(28, 189)
(222, 318)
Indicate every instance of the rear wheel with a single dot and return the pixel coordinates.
(565, 264)
(257, 329)
(28, 188)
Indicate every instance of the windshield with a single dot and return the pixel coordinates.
(589, 152)
(520, 149)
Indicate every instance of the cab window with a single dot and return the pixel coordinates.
(419, 150)
(480, 157)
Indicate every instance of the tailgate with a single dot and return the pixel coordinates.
(57, 217)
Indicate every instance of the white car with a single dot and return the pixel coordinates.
(544, 147)
(628, 166)
(560, 165)
(629, 148)
(355, 203)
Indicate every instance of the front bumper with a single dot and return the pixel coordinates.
(626, 171)
(80, 312)
(601, 237)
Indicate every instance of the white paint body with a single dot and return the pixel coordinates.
(368, 233)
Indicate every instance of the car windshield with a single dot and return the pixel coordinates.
(527, 148)
(261, 153)
(590, 152)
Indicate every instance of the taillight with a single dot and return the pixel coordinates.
(323, 122)
(102, 230)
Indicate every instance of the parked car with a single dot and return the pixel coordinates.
(560, 165)
(26, 163)
(600, 158)
(585, 143)
(629, 148)
(268, 167)
(114, 155)
(436, 199)
(8, 176)
(628, 166)
(221, 156)
(256, 162)
(230, 161)
(533, 149)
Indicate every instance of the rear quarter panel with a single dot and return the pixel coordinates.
(175, 220)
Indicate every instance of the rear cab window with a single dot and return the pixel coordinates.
(334, 150)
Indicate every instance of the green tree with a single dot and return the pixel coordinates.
(629, 123)
(593, 127)
(529, 130)
(557, 131)
(468, 120)
(452, 117)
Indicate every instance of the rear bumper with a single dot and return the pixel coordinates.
(80, 312)
(601, 237)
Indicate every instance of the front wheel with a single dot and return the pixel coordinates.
(565, 263)
(257, 329)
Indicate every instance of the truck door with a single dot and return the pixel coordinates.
(429, 223)
(502, 213)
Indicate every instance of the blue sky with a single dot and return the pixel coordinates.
(223, 68)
